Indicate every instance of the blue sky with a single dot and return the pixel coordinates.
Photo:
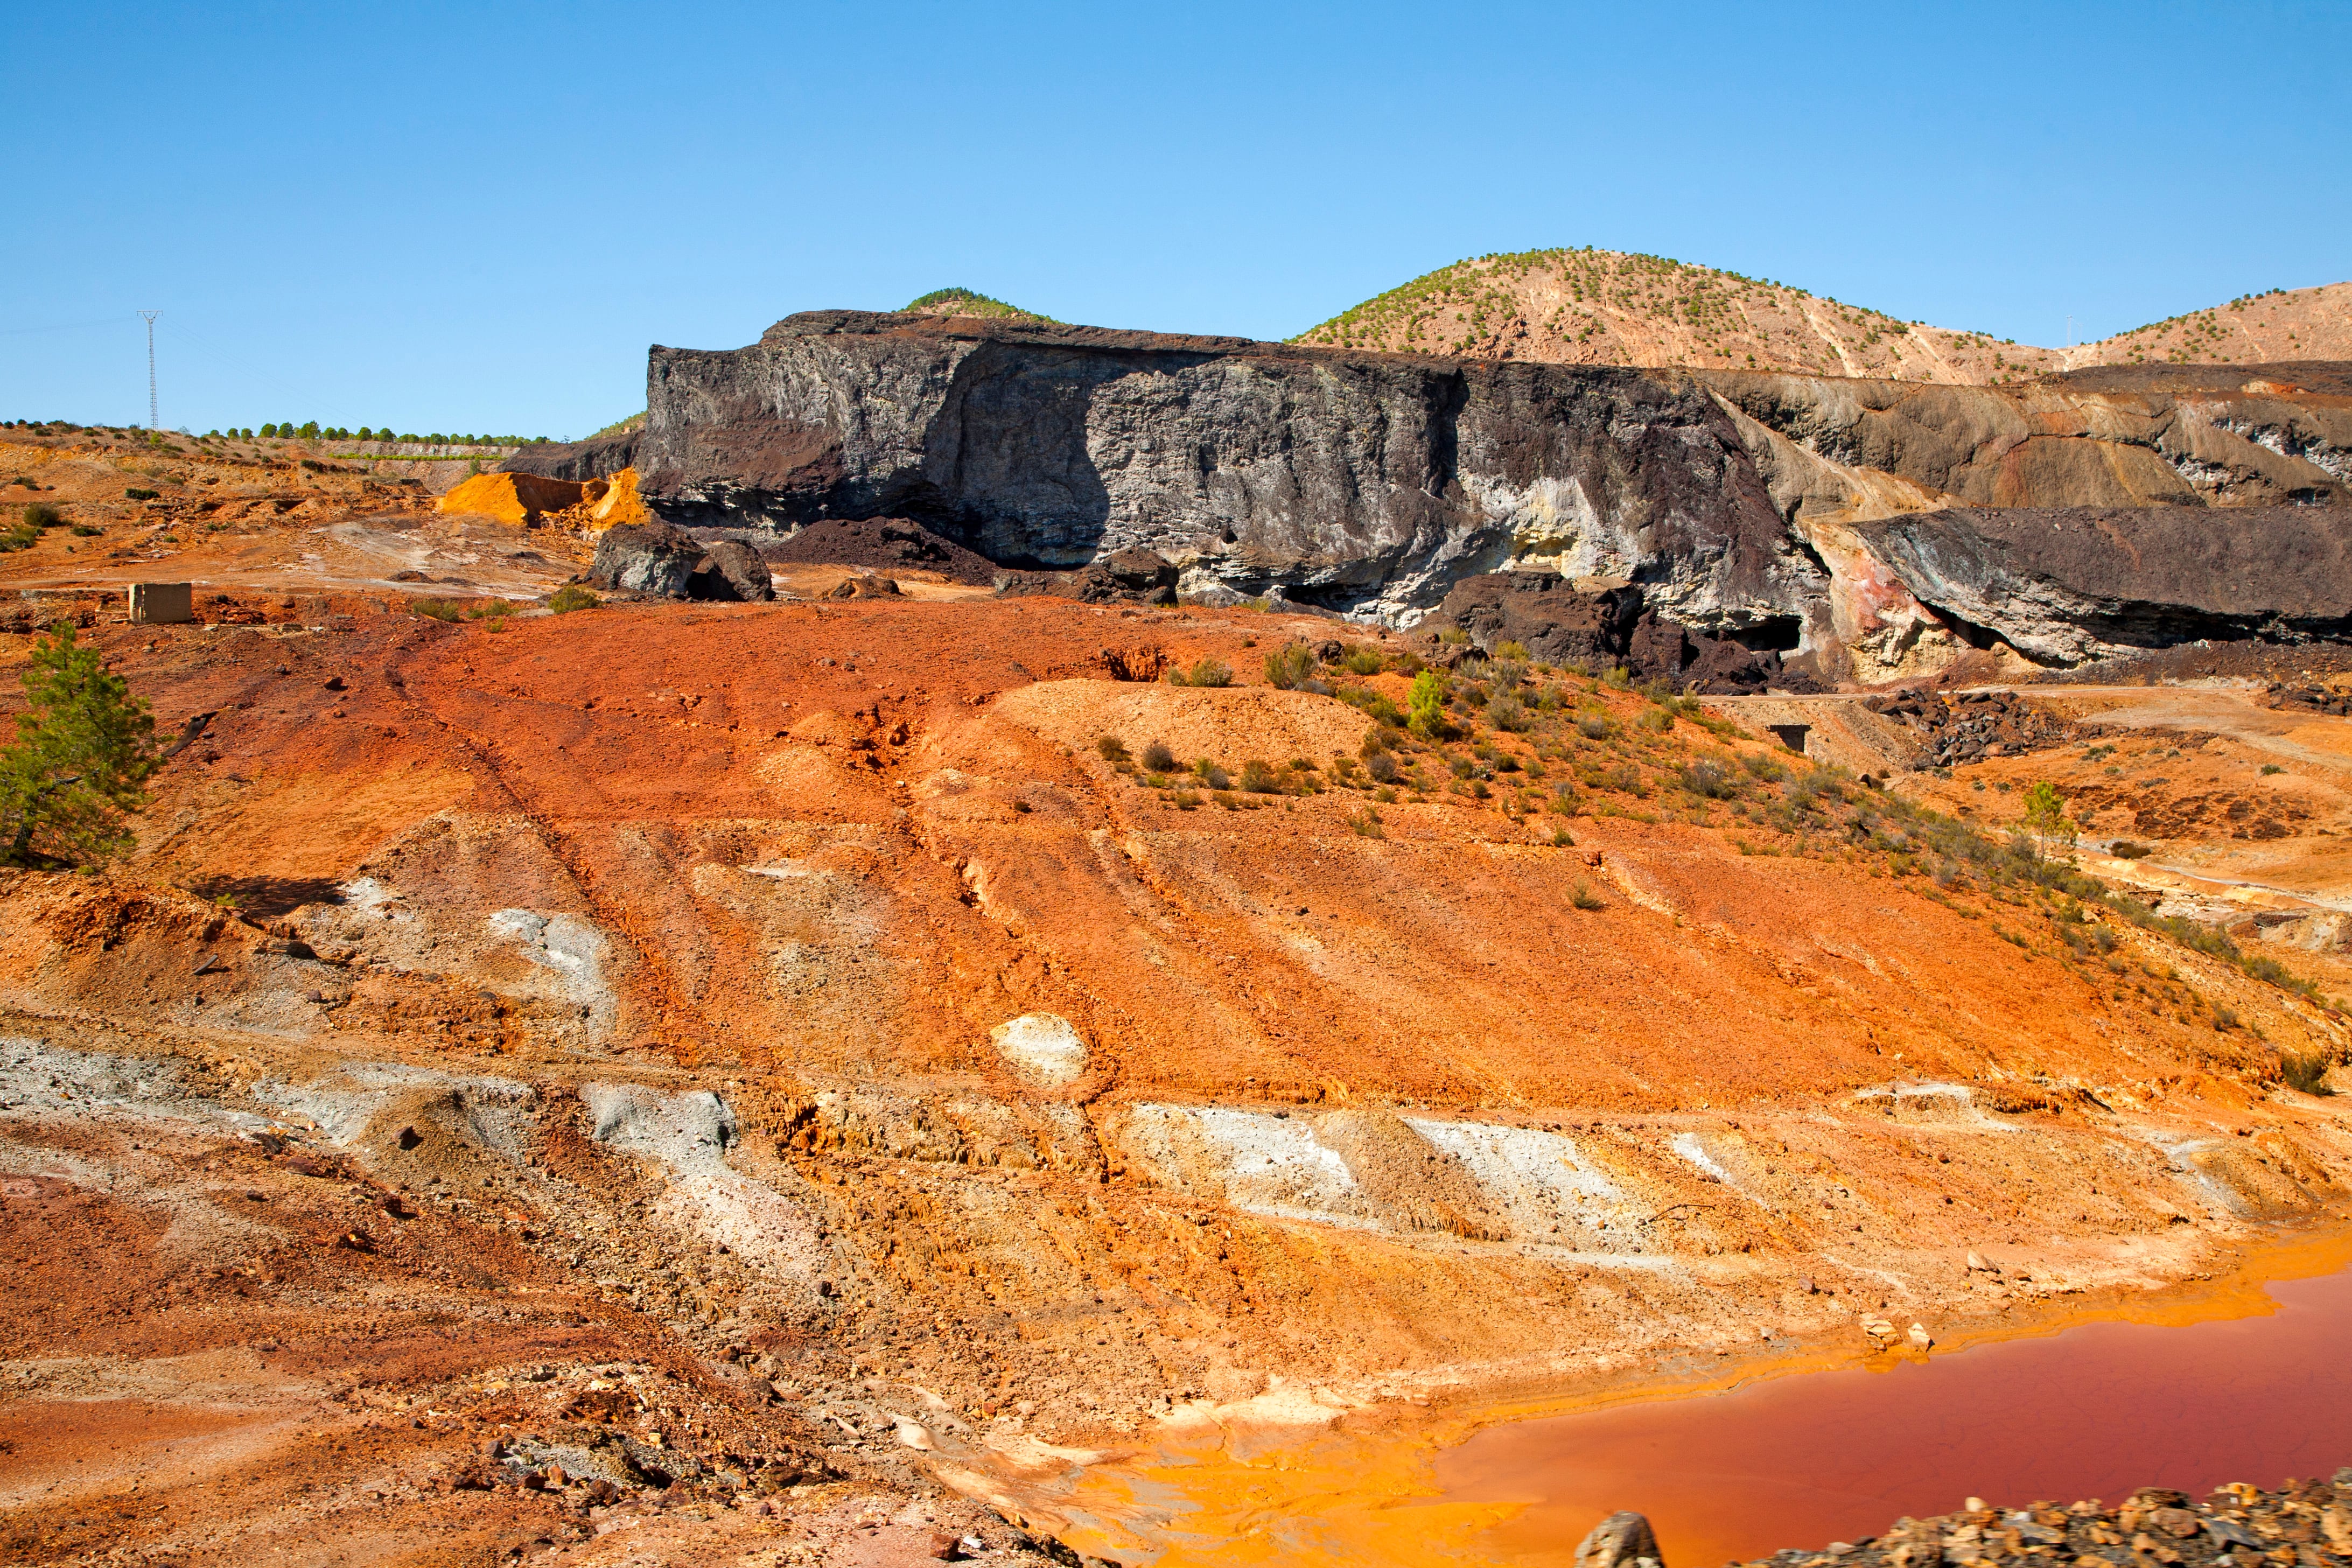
(448, 219)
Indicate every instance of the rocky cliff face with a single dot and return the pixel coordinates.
(2114, 436)
(2062, 586)
(1366, 483)
(1745, 506)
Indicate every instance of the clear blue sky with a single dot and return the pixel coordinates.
(476, 219)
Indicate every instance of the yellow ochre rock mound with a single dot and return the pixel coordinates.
(613, 501)
(526, 500)
(512, 498)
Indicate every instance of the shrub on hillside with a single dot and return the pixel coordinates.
(1210, 775)
(1111, 748)
(41, 514)
(84, 750)
(1209, 670)
(1361, 660)
(1290, 667)
(1258, 777)
(2308, 1073)
(1159, 759)
(437, 609)
(570, 597)
(1710, 779)
(1505, 713)
(1427, 700)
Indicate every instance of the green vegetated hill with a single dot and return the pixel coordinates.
(1605, 307)
(965, 302)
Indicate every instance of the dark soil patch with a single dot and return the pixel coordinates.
(882, 544)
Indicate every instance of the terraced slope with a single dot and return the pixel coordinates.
(1606, 307)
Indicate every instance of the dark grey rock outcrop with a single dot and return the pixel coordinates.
(663, 561)
(1365, 483)
(650, 558)
(1777, 527)
(2063, 586)
(577, 460)
(1602, 624)
(2110, 435)
(732, 570)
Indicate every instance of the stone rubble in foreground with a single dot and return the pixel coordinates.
(2302, 1524)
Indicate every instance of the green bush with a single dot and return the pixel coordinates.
(1366, 824)
(1593, 727)
(2308, 1073)
(437, 609)
(1382, 766)
(1505, 713)
(1159, 759)
(2125, 849)
(1287, 667)
(1111, 748)
(1710, 779)
(1258, 777)
(1212, 775)
(134, 493)
(1427, 700)
(40, 514)
(1361, 660)
(1512, 650)
(1584, 897)
(570, 597)
(83, 753)
(489, 610)
(84, 530)
(1209, 672)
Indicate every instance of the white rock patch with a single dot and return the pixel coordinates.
(1259, 1163)
(1541, 1182)
(1041, 1045)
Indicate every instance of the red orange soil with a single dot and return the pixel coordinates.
(650, 955)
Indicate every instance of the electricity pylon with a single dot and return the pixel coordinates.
(154, 423)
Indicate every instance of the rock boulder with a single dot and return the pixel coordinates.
(649, 558)
(732, 570)
(1621, 1540)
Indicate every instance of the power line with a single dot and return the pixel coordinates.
(154, 422)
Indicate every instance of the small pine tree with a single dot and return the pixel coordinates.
(2045, 813)
(1427, 701)
(81, 759)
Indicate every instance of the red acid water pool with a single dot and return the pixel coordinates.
(1806, 1459)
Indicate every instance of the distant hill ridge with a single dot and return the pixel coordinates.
(966, 302)
(1608, 307)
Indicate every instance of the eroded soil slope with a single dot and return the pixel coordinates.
(717, 1071)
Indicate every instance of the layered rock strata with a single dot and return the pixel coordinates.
(1751, 510)
(1364, 483)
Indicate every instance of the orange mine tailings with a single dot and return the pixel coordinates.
(512, 498)
(526, 499)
